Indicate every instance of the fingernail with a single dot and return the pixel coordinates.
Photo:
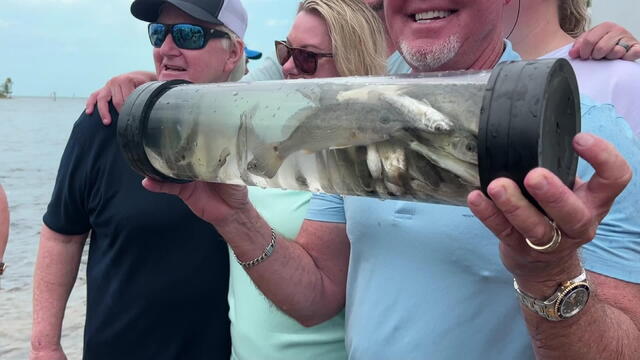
(539, 183)
(498, 193)
(584, 140)
(475, 199)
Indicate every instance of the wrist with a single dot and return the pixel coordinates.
(246, 232)
(542, 284)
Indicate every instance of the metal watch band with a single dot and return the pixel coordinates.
(546, 308)
(265, 254)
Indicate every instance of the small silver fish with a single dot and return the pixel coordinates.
(394, 163)
(462, 144)
(329, 127)
(431, 120)
(467, 172)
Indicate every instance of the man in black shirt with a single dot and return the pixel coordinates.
(157, 275)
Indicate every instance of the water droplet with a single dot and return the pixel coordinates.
(235, 93)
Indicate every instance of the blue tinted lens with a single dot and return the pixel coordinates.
(157, 34)
(188, 36)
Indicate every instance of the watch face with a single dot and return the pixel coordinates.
(574, 301)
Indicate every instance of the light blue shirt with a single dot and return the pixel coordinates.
(426, 281)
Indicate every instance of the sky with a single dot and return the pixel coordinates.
(72, 47)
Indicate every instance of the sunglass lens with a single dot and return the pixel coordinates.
(306, 61)
(282, 53)
(188, 36)
(157, 34)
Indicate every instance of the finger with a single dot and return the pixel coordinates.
(519, 212)
(161, 186)
(570, 213)
(634, 53)
(127, 89)
(103, 108)
(91, 102)
(489, 214)
(605, 46)
(587, 41)
(617, 52)
(612, 172)
(118, 98)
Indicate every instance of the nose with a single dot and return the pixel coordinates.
(289, 69)
(169, 47)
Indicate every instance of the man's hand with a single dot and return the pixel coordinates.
(577, 214)
(49, 354)
(212, 202)
(116, 90)
(602, 42)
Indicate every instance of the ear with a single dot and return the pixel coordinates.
(236, 49)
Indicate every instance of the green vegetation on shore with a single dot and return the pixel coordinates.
(6, 89)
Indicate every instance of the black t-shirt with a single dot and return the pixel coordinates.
(157, 276)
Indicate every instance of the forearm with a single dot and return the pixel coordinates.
(294, 277)
(4, 223)
(56, 270)
(606, 328)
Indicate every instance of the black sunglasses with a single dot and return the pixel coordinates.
(185, 36)
(306, 61)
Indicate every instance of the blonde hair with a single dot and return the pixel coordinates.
(574, 16)
(357, 35)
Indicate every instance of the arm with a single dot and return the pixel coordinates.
(306, 278)
(4, 222)
(601, 42)
(117, 90)
(56, 271)
(609, 325)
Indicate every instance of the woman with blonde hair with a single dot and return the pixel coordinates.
(328, 38)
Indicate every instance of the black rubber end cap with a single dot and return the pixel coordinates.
(132, 125)
(530, 115)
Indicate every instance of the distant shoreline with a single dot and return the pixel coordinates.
(41, 97)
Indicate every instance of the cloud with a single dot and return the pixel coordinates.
(277, 22)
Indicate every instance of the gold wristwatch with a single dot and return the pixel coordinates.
(570, 298)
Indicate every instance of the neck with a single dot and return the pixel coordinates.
(490, 56)
(538, 29)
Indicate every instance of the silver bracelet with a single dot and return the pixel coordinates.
(265, 254)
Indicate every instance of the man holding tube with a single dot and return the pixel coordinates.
(441, 282)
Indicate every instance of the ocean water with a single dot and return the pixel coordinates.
(33, 133)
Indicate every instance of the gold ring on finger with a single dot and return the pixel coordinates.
(552, 245)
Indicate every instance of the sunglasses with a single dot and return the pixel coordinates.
(306, 61)
(185, 36)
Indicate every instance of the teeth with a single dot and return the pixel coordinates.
(433, 15)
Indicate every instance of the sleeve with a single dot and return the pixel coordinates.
(270, 70)
(326, 208)
(616, 248)
(67, 212)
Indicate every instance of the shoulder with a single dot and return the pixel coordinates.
(620, 72)
(269, 70)
(89, 128)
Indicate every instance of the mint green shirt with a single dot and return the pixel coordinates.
(261, 331)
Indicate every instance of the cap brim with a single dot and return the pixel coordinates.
(252, 54)
(149, 10)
